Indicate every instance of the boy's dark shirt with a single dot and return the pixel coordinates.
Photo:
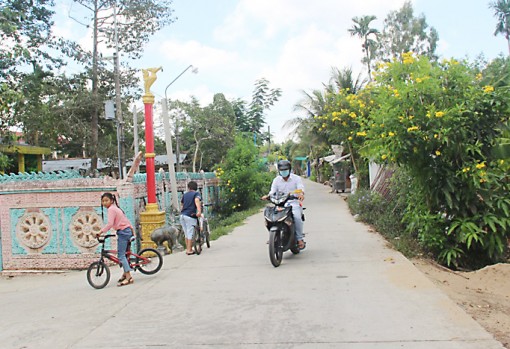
(188, 199)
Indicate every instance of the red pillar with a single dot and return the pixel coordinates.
(149, 154)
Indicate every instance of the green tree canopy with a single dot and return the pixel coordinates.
(403, 32)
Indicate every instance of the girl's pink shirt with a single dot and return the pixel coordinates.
(116, 219)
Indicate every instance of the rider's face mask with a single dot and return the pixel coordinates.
(285, 173)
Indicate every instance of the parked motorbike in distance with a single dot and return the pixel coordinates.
(280, 224)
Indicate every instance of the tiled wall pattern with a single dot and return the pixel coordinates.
(48, 224)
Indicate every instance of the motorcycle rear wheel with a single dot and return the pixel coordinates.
(275, 247)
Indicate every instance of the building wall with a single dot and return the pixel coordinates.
(47, 221)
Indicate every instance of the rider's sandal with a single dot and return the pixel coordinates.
(126, 282)
(302, 247)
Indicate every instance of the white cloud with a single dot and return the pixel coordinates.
(291, 15)
(198, 54)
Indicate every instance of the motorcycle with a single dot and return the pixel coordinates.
(280, 224)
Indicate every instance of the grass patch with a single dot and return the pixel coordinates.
(224, 225)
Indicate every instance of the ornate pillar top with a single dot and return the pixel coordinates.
(149, 77)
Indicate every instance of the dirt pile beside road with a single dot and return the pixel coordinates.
(484, 294)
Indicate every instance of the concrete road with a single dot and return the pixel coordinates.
(346, 290)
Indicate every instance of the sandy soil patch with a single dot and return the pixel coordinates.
(484, 294)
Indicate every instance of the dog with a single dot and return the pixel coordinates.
(170, 234)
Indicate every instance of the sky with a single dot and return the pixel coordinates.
(294, 44)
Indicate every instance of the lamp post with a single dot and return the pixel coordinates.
(168, 141)
(152, 218)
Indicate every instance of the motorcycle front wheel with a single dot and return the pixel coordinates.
(275, 247)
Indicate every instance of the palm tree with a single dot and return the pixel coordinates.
(362, 29)
(310, 142)
(343, 79)
(502, 12)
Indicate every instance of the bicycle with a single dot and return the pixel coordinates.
(149, 261)
(201, 233)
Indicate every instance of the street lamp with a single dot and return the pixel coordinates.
(168, 141)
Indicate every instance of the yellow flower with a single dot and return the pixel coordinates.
(352, 115)
(232, 190)
(436, 135)
(412, 128)
(383, 135)
(361, 134)
(391, 134)
(408, 58)
(411, 117)
(439, 114)
(479, 76)
(465, 169)
(488, 89)
(418, 80)
(438, 152)
(350, 138)
(384, 156)
(501, 162)
(480, 166)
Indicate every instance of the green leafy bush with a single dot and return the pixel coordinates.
(440, 123)
(386, 213)
(244, 178)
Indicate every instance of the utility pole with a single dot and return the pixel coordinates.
(177, 145)
(118, 102)
(268, 141)
(135, 132)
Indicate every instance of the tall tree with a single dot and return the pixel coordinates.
(502, 13)
(242, 120)
(207, 132)
(404, 33)
(263, 99)
(361, 28)
(125, 25)
(25, 32)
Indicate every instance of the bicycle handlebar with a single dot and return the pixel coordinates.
(103, 238)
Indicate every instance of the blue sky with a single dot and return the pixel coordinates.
(292, 43)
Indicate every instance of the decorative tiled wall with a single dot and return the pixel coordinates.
(47, 223)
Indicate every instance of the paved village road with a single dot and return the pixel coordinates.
(346, 290)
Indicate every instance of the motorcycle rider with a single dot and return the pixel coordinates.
(288, 182)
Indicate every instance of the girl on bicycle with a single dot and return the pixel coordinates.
(117, 220)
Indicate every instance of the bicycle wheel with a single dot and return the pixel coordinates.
(275, 247)
(98, 274)
(149, 261)
(197, 241)
(207, 234)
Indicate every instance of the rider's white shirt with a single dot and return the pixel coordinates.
(287, 186)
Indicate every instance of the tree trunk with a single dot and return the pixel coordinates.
(353, 160)
(197, 146)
